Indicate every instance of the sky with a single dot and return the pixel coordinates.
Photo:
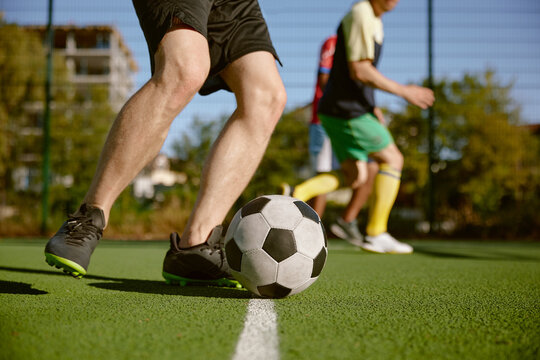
(469, 37)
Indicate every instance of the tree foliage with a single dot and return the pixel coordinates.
(285, 155)
(486, 175)
(78, 130)
(487, 163)
(22, 63)
(80, 118)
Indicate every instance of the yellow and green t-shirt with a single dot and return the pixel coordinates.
(359, 37)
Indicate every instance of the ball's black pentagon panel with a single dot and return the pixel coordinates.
(255, 206)
(234, 255)
(273, 291)
(307, 211)
(318, 263)
(280, 244)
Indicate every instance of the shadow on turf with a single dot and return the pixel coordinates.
(159, 287)
(132, 285)
(12, 287)
(476, 253)
(487, 254)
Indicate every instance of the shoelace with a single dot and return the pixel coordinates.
(79, 228)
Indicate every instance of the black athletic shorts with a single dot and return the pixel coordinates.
(233, 28)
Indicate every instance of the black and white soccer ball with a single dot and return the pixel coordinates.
(276, 246)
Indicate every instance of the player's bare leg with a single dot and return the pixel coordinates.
(318, 203)
(182, 65)
(261, 98)
(389, 155)
(197, 256)
(361, 194)
(385, 191)
(354, 172)
(356, 175)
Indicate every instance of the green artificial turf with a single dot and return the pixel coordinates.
(449, 300)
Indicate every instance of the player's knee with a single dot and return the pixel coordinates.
(180, 84)
(372, 169)
(269, 102)
(354, 172)
(280, 99)
(395, 159)
(261, 109)
(186, 84)
(360, 180)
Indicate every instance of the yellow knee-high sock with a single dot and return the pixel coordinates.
(317, 185)
(384, 194)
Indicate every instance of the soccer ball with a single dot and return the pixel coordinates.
(276, 246)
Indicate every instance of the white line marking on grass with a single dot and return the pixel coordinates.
(259, 339)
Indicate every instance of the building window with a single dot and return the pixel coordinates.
(81, 67)
(87, 39)
(102, 41)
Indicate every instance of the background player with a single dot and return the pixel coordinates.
(320, 150)
(323, 160)
(347, 112)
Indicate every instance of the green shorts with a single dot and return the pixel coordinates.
(356, 138)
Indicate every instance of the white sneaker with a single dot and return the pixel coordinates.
(385, 244)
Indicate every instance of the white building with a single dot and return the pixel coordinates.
(95, 54)
(156, 173)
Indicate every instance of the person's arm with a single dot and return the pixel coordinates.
(326, 60)
(323, 79)
(365, 72)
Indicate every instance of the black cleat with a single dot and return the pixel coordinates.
(204, 264)
(71, 247)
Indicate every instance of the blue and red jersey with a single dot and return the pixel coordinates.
(326, 59)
